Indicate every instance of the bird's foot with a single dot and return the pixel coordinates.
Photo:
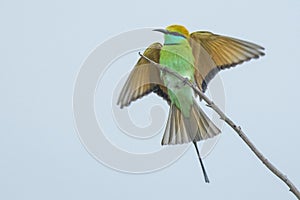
(163, 71)
(185, 81)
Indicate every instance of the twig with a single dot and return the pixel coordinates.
(236, 128)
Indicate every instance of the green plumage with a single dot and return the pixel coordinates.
(177, 55)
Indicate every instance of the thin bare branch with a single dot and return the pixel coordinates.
(236, 128)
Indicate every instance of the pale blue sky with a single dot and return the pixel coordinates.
(43, 45)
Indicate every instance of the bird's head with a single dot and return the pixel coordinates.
(174, 34)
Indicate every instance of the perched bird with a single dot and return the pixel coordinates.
(198, 57)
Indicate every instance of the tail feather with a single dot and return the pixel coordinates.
(181, 129)
(201, 163)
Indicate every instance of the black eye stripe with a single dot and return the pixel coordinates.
(176, 34)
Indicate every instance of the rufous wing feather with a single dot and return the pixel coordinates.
(214, 52)
(144, 78)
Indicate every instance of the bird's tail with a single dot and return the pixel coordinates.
(196, 127)
(180, 129)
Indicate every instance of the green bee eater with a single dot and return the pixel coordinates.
(198, 57)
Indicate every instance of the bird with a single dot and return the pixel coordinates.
(196, 56)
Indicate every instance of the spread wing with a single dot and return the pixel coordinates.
(215, 52)
(144, 79)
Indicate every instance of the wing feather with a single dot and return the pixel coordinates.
(144, 79)
(214, 52)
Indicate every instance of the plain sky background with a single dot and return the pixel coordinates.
(43, 45)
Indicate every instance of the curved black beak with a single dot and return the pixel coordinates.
(161, 30)
(164, 31)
